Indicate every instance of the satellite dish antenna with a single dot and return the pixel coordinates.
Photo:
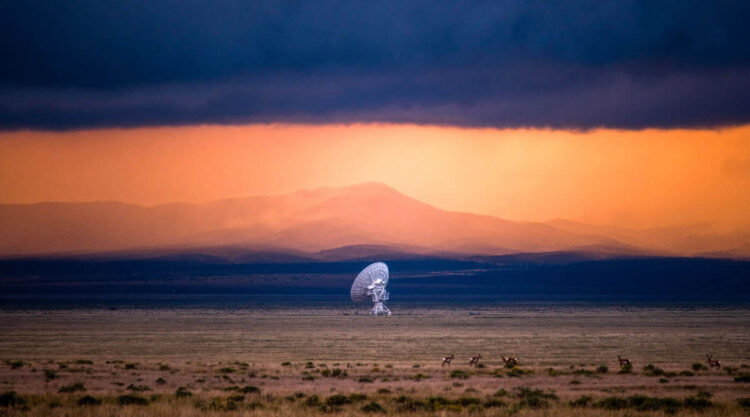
(370, 284)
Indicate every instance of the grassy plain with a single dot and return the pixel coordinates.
(283, 362)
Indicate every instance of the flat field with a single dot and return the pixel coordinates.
(303, 361)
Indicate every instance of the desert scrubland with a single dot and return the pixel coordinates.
(281, 362)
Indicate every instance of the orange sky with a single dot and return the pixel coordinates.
(632, 178)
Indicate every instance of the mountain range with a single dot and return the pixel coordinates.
(330, 223)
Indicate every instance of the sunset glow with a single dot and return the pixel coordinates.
(637, 179)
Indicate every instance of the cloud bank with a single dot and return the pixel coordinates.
(566, 64)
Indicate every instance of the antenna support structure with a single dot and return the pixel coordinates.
(370, 284)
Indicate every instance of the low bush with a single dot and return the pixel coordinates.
(698, 366)
(420, 376)
(337, 400)
(286, 364)
(89, 400)
(494, 403)
(459, 374)
(373, 407)
(686, 373)
(11, 399)
(626, 369)
(365, 379)
(183, 392)
(49, 375)
(250, 389)
(357, 397)
(131, 399)
(227, 370)
(384, 391)
(651, 370)
(534, 398)
(160, 381)
(72, 388)
(14, 364)
(602, 369)
(742, 378)
(131, 365)
(744, 402)
(163, 367)
(582, 401)
(84, 362)
(138, 388)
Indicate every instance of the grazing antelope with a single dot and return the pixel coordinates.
(623, 361)
(713, 363)
(474, 360)
(510, 360)
(447, 360)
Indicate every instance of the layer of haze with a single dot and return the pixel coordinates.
(629, 178)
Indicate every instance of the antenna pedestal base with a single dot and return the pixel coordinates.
(379, 309)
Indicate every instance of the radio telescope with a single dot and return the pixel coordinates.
(370, 284)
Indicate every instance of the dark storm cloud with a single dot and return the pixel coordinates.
(578, 64)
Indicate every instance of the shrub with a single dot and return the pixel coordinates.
(357, 397)
(161, 381)
(337, 400)
(602, 369)
(553, 372)
(325, 372)
(72, 388)
(384, 391)
(89, 400)
(575, 382)
(14, 364)
(49, 374)
(227, 370)
(697, 366)
(611, 403)
(698, 402)
(131, 399)
(420, 376)
(500, 393)
(626, 369)
(11, 399)
(138, 388)
(250, 389)
(515, 372)
(84, 362)
(183, 392)
(407, 404)
(286, 364)
(131, 365)
(373, 407)
(494, 403)
(163, 367)
(236, 398)
(663, 380)
(365, 379)
(312, 401)
(459, 374)
(309, 365)
(744, 402)
(534, 398)
(582, 401)
(742, 378)
(686, 373)
(308, 378)
(651, 370)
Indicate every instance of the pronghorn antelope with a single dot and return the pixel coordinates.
(713, 363)
(510, 360)
(474, 360)
(623, 361)
(447, 360)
